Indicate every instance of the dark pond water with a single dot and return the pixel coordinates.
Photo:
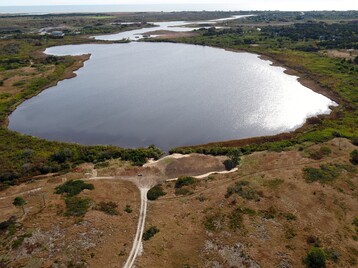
(137, 94)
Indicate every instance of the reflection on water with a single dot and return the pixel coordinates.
(169, 95)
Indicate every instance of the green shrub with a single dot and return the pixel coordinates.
(289, 216)
(74, 187)
(184, 181)
(290, 233)
(18, 242)
(243, 189)
(268, 214)
(150, 233)
(354, 157)
(19, 201)
(316, 258)
(128, 209)
(109, 208)
(325, 173)
(156, 192)
(76, 206)
(236, 219)
(6, 224)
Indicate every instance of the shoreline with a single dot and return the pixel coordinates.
(305, 81)
(68, 74)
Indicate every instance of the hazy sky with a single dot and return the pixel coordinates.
(241, 4)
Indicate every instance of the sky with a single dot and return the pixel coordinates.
(240, 4)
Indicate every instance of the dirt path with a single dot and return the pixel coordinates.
(22, 193)
(137, 244)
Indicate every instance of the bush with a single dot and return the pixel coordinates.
(324, 174)
(354, 157)
(290, 217)
(319, 154)
(156, 192)
(150, 233)
(74, 187)
(355, 140)
(184, 181)
(109, 208)
(183, 191)
(6, 224)
(18, 242)
(77, 206)
(128, 209)
(236, 219)
(268, 214)
(316, 258)
(243, 189)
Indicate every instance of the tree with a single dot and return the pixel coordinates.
(19, 202)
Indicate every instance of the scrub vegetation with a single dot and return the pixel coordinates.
(292, 203)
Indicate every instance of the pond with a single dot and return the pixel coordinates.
(138, 94)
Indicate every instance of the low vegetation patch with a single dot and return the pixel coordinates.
(354, 157)
(185, 181)
(5, 225)
(214, 222)
(19, 240)
(289, 216)
(128, 209)
(274, 183)
(324, 174)
(236, 221)
(109, 208)
(74, 187)
(319, 154)
(76, 206)
(268, 214)
(150, 233)
(183, 191)
(243, 189)
(316, 258)
(156, 192)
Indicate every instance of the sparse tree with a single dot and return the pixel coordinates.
(19, 202)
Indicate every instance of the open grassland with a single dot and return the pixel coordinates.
(269, 213)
